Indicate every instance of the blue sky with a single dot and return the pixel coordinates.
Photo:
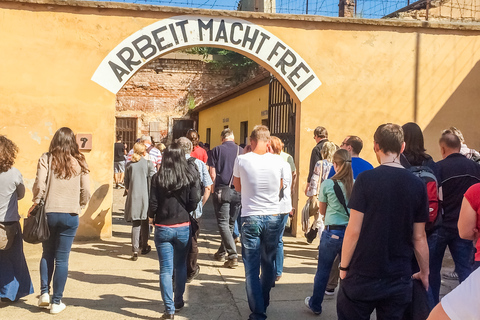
(365, 8)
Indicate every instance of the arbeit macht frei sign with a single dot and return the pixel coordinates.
(187, 31)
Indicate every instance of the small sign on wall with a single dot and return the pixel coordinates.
(84, 141)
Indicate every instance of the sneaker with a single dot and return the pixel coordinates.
(330, 292)
(219, 257)
(57, 308)
(231, 263)
(179, 306)
(193, 275)
(307, 304)
(450, 275)
(167, 316)
(121, 186)
(278, 278)
(134, 256)
(237, 240)
(44, 300)
(147, 249)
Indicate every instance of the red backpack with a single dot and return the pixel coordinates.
(434, 194)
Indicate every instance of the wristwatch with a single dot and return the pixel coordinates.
(343, 268)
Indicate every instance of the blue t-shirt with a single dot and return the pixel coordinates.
(391, 200)
(358, 166)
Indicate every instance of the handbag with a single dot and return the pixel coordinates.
(8, 231)
(35, 227)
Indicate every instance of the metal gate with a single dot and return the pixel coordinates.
(127, 127)
(281, 115)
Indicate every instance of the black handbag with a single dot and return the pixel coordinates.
(227, 193)
(35, 227)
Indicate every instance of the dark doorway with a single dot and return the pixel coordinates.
(282, 115)
(127, 127)
(181, 126)
(244, 132)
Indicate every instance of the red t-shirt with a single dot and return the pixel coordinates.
(473, 197)
(199, 153)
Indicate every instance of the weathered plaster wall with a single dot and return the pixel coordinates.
(372, 72)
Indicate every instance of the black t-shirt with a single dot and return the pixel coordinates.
(457, 174)
(119, 152)
(392, 200)
(222, 158)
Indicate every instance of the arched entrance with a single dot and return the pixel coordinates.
(180, 32)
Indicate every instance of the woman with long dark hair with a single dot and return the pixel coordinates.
(415, 153)
(175, 192)
(333, 199)
(62, 181)
(15, 281)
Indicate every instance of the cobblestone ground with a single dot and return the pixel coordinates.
(105, 284)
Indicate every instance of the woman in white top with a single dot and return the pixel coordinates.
(320, 173)
(285, 203)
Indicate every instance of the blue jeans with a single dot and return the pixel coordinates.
(279, 257)
(461, 251)
(330, 245)
(172, 249)
(56, 250)
(259, 247)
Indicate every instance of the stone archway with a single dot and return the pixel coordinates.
(181, 32)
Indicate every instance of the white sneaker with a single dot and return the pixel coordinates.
(44, 300)
(57, 308)
(307, 304)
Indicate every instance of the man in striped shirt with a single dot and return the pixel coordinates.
(154, 154)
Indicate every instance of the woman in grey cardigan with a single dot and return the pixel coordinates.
(137, 184)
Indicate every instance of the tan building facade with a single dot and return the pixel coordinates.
(371, 72)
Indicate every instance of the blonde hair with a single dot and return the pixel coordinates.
(343, 160)
(328, 149)
(276, 144)
(138, 151)
(160, 146)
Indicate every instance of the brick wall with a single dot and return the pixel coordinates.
(168, 88)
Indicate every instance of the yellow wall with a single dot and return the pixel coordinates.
(373, 71)
(247, 107)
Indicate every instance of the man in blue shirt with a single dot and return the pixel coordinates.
(457, 174)
(354, 146)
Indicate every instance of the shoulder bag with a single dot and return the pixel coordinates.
(226, 193)
(340, 197)
(35, 227)
(8, 231)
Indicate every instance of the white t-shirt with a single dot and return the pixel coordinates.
(260, 176)
(463, 303)
(286, 201)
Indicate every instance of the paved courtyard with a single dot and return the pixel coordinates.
(105, 284)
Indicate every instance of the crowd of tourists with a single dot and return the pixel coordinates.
(383, 231)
